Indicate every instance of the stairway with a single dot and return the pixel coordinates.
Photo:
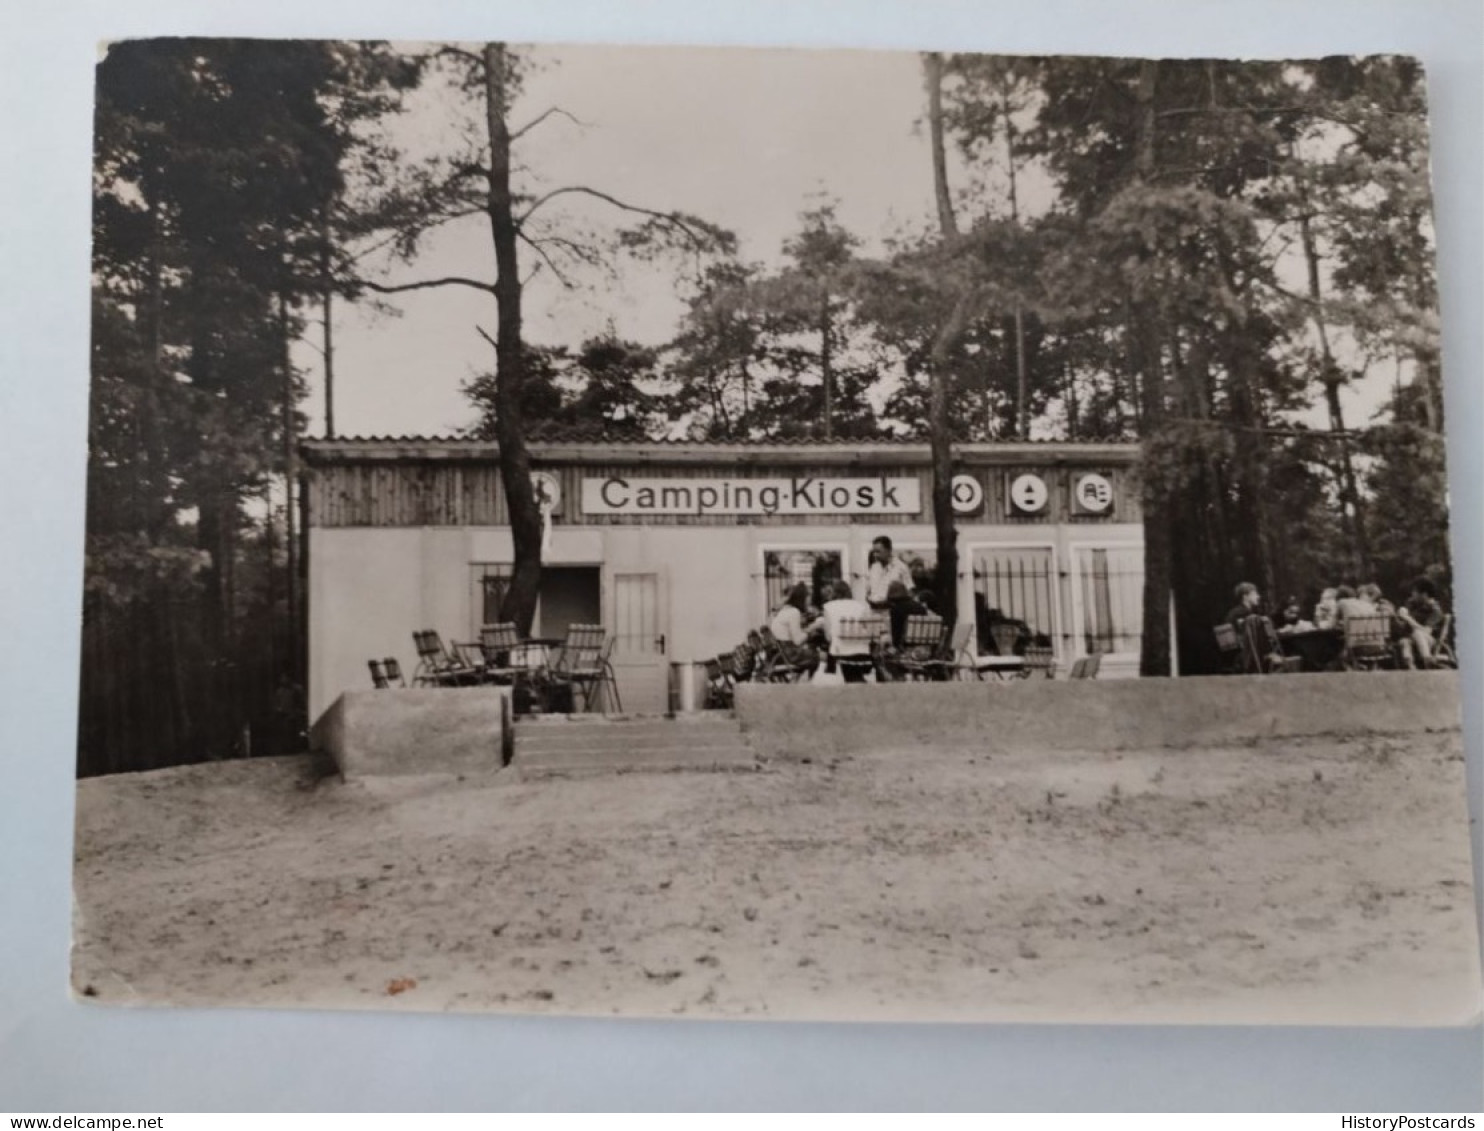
(585, 744)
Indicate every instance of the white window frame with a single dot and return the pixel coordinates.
(764, 548)
(1077, 553)
(1057, 616)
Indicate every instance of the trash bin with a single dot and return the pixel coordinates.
(688, 687)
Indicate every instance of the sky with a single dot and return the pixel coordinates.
(747, 139)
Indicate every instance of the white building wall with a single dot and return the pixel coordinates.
(370, 588)
(365, 586)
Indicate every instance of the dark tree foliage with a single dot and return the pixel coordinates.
(599, 389)
(215, 162)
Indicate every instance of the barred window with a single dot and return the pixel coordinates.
(1020, 584)
(490, 581)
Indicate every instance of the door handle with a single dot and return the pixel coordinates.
(660, 641)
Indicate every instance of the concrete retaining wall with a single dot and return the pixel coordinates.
(415, 731)
(794, 720)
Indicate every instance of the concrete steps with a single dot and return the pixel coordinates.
(576, 744)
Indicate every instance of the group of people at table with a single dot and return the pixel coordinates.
(818, 638)
(1414, 628)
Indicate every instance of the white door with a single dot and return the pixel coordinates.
(640, 624)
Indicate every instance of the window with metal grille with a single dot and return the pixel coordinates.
(783, 569)
(489, 582)
(1110, 585)
(1020, 584)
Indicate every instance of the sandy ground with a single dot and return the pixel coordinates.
(1313, 881)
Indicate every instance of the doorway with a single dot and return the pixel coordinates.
(569, 595)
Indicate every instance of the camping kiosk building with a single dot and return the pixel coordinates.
(678, 548)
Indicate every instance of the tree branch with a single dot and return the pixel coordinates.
(446, 218)
(541, 251)
(583, 190)
(531, 125)
(424, 284)
(449, 50)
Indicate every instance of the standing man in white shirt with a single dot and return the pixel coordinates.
(885, 567)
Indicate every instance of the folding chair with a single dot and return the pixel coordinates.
(1040, 659)
(501, 647)
(727, 662)
(436, 665)
(1264, 651)
(762, 660)
(1367, 642)
(785, 664)
(744, 660)
(853, 633)
(378, 675)
(1086, 667)
(1444, 654)
(393, 671)
(955, 660)
(922, 640)
(585, 664)
(718, 689)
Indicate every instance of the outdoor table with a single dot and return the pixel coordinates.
(1318, 648)
(1001, 667)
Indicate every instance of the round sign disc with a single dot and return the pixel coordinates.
(968, 494)
(1028, 493)
(1094, 493)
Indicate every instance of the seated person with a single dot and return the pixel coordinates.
(899, 606)
(1291, 618)
(1349, 603)
(791, 628)
(1326, 611)
(1249, 603)
(997, 629)
(922, 588)
(1372, 592)
(842, 607)
(1420, 617)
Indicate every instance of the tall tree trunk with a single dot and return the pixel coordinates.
(1351, 519)
(940, 433)
(290, 478)
(1069, 395)
(327, 294)
(1154, 652)
(826, 365)
(1022, 392)
(932, 65)
(519, 604)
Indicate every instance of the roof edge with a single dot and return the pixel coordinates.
(389, 449)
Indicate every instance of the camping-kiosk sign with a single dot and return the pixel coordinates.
(618, 494)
